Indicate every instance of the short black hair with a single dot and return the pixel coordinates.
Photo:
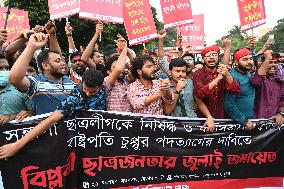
(33, 64)
(2, 56)
(43, 57)
(93, 78)
(109, 62)
(75, 54)
(188, 54)
(177, 62)
(198, 62)
(138, 63)
(93, 53)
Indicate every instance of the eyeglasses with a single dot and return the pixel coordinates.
(208, 55)
(189, 61)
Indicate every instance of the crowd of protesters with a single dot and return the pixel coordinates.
(35, 80)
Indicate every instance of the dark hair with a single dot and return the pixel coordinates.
(188, 54)
(198, 62)
(43, 57)
(74, 54)
(93, 78)
(138, 63)
(33, 64)
(2, 56)
(109, 50)
(93, 52)
(109, 62)
(273, 54)
(177, 62)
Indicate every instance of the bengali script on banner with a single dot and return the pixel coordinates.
(17, 21)
(193, 34)
(96, 149)
(138, 21)
(102, 10)
(252, 13)
(176, 13)
(62, 8)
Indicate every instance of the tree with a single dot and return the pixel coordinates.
(278, 32)
(239, 39)
(83, 29)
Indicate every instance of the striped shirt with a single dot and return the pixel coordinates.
(116, 96)
(137, 95)
(48, 94)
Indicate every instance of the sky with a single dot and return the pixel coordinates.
(221, 15)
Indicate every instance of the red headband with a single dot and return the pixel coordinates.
(77, 56)
(208, 49)
(241, 53)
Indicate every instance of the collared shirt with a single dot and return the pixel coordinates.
(78, 100)
(186, 99)
(12, 101)
(76, 78)
(240, 107)
(214, 99)
(48, 94)
(116, 96)
(269, 96)
(137, 94)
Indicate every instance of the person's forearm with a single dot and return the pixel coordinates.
(130, 55)
(40, 128)
(229, 79)
(169, 108)
(53, 43)
(88, 51)
(213, 83)
(263, 67)
(202, 107)
(161, 51)
(18, 71)
(13, 47)
(226, 57)
(153, 98)
(71, 43)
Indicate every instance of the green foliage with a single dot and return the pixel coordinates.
(278, 32)
(239, 39)
(84, 29)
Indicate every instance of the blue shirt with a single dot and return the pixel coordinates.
(240, 107)
(48, 94)
(78, 100)
(12, 101)
(186, 101)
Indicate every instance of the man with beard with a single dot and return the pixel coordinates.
(239, 107)
(184, 100)
(147, 95)
(78, 67)
(269, 98)
(88, 94)
(211, 81)
(51, 87)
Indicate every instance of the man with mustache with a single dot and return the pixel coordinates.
(51, 87)
(269, 98)
(211, 81)
(239, 107)
(184, 100)
(148, 95)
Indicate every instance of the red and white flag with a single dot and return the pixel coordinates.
(17, 21)
(102, 10)
(193, 34)
(252, 13)
(176, 13)
(62, 8)
(139, 21)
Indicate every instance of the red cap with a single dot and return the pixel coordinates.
(208, 49)
(241, 53)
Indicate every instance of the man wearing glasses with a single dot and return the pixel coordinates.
(211, 81)
(189, 59)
